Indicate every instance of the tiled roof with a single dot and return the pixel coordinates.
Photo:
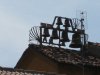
(68, 56)
(95, 44)
(11, 71)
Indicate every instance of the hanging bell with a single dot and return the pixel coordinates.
(67, 22)
(54, 34)
(63, 43)
(58, 27)
(76, 41)
(45, 39)
(64, 36)
(59, 21)
(46, 33)
(50, 41)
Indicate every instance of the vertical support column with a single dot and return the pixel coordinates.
(83, 42)
(59, 36)
(40, 36)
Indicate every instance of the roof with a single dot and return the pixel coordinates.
(68, 56)
(11, 71)
(94, 49)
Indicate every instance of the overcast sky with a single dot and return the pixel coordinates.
(18, 16)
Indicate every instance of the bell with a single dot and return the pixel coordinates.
(46, 33)
(54, 34)
(76, 41)
(50, 41)
(64, 36)
(59, 21)
(45, 39)
(58, 27)
(67, 22)
(63, 43)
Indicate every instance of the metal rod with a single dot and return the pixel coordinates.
(40, 36)
(83, 45)
(59, 37)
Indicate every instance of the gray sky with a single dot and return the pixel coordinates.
(18, 16)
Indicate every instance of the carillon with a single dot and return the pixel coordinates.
(56, 34)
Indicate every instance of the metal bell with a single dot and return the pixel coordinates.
(50, 41)
(54, 34)
(63, 43)
(46, 33)
(76, 41)
(59, 21)
(67, 22)
(64, 36)
(45, 39)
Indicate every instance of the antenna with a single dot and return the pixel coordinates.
(79, 15)
(84, 36)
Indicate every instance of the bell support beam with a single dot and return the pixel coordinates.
(81, 32)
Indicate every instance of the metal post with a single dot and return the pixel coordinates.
(83, 42)
(40, 36)
(59, 36)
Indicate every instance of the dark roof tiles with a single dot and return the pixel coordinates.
(11, 71)
(69, 56)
